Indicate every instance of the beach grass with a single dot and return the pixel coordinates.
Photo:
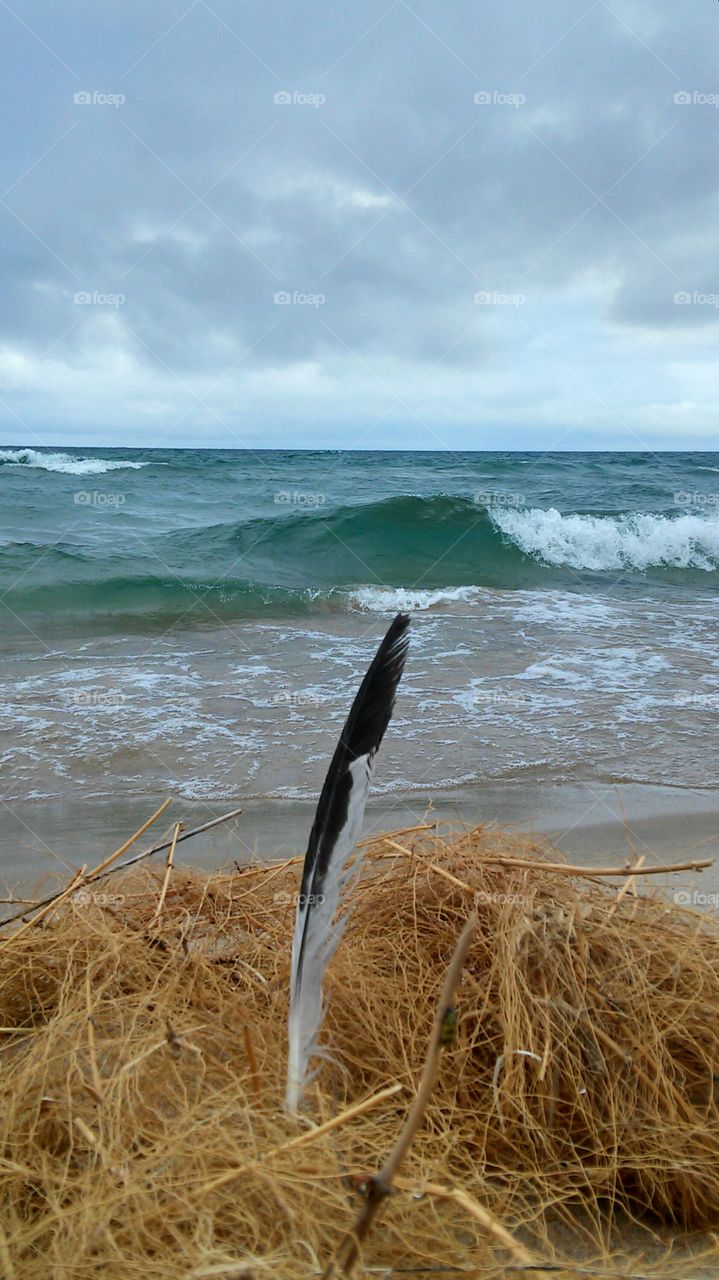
(574, 1123)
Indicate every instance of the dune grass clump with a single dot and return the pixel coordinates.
(143, 1058)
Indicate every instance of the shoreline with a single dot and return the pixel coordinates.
(587, 823)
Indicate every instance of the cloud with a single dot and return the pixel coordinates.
(298, 215)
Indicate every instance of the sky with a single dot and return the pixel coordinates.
(363, 225)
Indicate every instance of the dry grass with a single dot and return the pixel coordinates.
(143, 1058)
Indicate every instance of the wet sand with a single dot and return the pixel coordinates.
(590, 824)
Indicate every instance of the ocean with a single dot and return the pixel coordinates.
(194, 623)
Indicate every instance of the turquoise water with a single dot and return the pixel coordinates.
(134, 539)
(196, 621)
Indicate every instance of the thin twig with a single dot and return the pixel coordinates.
(186, 835)
(102, 866)
(380, 1185)
(168, 872)
(129, 862)
(304, 1139)
(94, 1069)
(564, 868)
(252, 1060)
(447, 875)
(629, 883)
(568, 870)
(475, 1210)
(46, 909)
(82, 878)
(170, 1038)
(403, 831)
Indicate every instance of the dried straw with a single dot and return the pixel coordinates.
(143, 1056)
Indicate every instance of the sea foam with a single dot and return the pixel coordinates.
(613, 542)
(65, 463)
(406, 599)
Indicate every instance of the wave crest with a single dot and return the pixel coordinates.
(613, 542)
(409, 600)
(66, 464)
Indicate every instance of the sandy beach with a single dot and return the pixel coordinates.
(598, 826)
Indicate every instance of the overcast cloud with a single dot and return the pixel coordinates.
(496, 224)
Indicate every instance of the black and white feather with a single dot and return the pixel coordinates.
(329, 868)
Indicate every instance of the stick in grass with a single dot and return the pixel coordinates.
(96, 875)
(380, 1186)
(92, 1051)
(83, 877)
(77, 880)
(168, 872)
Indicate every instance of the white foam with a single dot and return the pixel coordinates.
(406, 786)
(609, 542)
(609, 670)
(566, 612)
(500, 698)
(405, 600)
(64, 463)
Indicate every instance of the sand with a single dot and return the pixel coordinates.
(586, 821)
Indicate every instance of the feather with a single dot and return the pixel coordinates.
(329, 869)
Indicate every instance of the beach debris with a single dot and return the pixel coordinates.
(104, 869)
(378, 1187)
(197, 1168)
